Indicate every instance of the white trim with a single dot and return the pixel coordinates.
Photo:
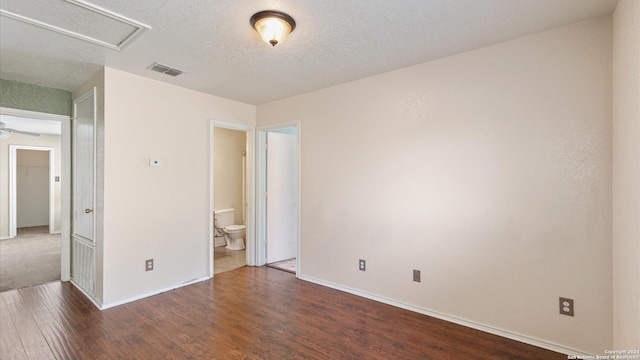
(156, 292)
(139, 27)
(250, 237)
(52, 189)
(470, 324)
(13, 189)
(32, 114)
(91, 298)
(65, 215)
(261, 206)
(261, 203)
(13, 224)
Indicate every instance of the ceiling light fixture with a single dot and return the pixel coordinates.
(273, 26)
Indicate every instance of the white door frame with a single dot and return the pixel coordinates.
(261, 205)
(250, 197)
(13, 186)
(65, 222)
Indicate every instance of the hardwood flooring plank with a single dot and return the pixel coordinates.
(76, 329)
(35, 346)
(10, 344)
(61, 343)
(135, 336)
(56, 338)
(172, 326)
(247, 313)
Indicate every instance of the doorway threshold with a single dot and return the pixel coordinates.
(288, 265)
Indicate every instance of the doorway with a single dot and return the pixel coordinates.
(231, 188)
(34, 195)
(33, 184)
(279, 200)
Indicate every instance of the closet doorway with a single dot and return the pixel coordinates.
(279, 200)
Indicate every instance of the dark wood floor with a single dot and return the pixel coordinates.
(248, 313)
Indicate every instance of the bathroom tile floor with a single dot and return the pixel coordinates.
(226, 260)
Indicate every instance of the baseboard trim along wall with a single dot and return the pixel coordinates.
(93, 300)
(445, 317)
(135, 298)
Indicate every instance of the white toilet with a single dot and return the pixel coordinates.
(234, 234)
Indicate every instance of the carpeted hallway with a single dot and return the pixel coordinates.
(31, 258)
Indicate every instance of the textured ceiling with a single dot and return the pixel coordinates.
(335, 41)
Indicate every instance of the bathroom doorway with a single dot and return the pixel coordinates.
(231, 192)
(279, 207)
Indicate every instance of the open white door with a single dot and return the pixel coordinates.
(83, 192)
(282, 195)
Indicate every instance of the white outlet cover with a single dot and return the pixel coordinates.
(155, 162)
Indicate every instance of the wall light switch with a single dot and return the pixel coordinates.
(155, 162)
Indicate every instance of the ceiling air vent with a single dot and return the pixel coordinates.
(165, 69)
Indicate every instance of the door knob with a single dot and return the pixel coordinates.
(88, 211)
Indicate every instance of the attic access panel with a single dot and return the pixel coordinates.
(75, 18)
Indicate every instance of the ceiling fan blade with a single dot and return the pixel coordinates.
(20, 132)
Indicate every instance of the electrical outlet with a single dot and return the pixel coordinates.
(148, 264)
(566, 306)
(416, 275)
(362, 265)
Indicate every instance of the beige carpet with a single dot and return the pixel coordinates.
(31, 258)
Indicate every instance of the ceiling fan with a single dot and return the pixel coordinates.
(5, 131)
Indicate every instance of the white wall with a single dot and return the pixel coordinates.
(490, 171)
(160, 213)
(229, 146)
(17, 139)
(32, 188)
(626, 175)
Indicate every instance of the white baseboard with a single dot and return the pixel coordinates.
(5, 238)
(91, 298)
(470, 324)
(156, 292)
